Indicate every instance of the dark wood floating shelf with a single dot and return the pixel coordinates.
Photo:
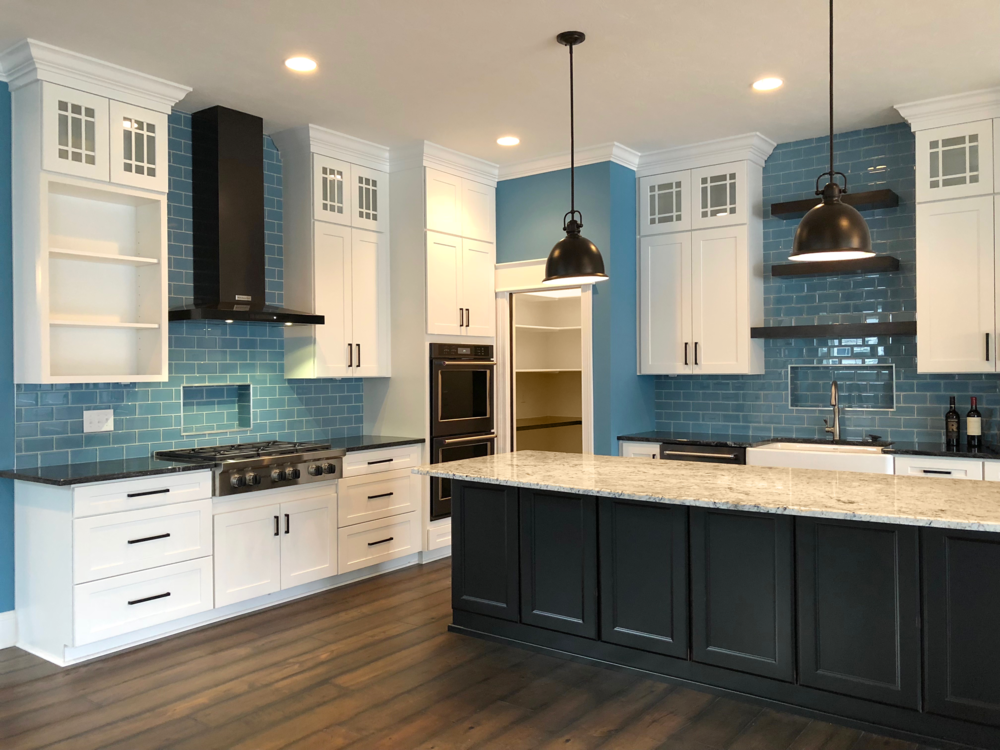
(867, 201)
(544, 423)
(876, 264)
(901, 328)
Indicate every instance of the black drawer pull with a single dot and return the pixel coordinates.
(149, 599)
(376, 497)
(288, 523)
(277, 529)
(381, 461)
(149, 492)
(381, 541)
(148, 539)
(936, 471)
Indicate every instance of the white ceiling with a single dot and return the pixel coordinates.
(652, 73)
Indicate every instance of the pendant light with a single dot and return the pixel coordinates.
(831, 230)
(574, 259)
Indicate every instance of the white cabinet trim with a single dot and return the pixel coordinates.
(951, 110)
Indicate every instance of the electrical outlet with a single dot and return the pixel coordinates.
(99, 420)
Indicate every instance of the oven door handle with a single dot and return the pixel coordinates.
(480, 438)
(469, 362)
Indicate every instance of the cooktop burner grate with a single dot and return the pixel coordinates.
(243, 451)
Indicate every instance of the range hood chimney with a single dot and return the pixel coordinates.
(228, 187)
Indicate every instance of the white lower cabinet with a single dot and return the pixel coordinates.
(268, 548)
(369, 497)
(939, 468)
(114, 606)
(638, 449)
(373, 542)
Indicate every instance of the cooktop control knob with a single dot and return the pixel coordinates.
(315, 470)
(277, 475)
(252, 479)
(237, 481)
(292, 473)
(329, 468)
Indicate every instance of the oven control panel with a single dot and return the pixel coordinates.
(275, 473)
(461, 351)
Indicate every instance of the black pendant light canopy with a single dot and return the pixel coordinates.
(831, 230)
(574, 258)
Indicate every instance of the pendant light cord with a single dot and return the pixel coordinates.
(572, 139)
(831, 86)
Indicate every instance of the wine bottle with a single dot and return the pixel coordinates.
(974, 427)
(951, 426)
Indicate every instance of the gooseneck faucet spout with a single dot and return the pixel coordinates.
(835, 403)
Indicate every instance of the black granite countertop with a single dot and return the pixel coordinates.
(132, 468)
(989, 452)
(692, 438)
(100, 471)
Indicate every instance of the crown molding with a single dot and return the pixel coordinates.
(427, 154)
(951, 110)
(317, 140)
(614, 152)
(752, 147)
(30, 60)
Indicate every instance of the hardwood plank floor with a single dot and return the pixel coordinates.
(372, 666)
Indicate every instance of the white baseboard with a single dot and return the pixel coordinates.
(8, 629)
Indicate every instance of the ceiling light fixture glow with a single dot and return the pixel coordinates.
(767, 84)
(508, 140)
(300, 64)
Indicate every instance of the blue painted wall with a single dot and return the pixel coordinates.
(758, 405)
(529, 220)
(6, 363)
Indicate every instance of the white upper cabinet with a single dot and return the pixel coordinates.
(445, 304)
(138, 147)
(369, 258)
(956, 286)
(444, 202)
(478, 211)
(665, 310)
(954, 161)
(371, 199)
(665, 203)
(331, 190)
(75, 137)
(720, 303)
(720, 195)
(478, 287)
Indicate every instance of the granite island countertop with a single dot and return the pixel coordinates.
(881, 498)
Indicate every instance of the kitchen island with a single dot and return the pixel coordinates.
(866, 599)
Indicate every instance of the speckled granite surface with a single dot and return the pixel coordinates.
(918, 501)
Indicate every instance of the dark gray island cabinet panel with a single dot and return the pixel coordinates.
(559, 561)
(741, 591)
(485, 550)
(644, 576)
(859, 609)
(962, 624)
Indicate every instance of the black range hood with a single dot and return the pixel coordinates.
(228, 198)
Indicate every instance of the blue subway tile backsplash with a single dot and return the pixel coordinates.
(149, 416)
(758, 405)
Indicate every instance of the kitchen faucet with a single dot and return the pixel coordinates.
(835, 403)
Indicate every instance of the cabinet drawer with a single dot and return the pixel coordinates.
(383, 459)
(381, 495)
(439, 537)
(939, 468)
(122, 604)
(118, 543)
(378, 541)
(991, 471)
(149, 492)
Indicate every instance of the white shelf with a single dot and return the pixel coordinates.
(99, 323)
(128, 260)
(560, 369)
(547, 328)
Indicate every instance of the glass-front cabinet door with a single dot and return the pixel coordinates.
(371, 199)
(665, 203)
(331, 190)
(955, 161)
(720, 195)
(138, 147)
(74, 132)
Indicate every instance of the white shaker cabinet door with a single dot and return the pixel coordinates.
(720, 301)
(138, 147)
(247, 554)
(665, 343)
(333, 290)
(479, 287)
(720, 195)
(444, 202)
(331, 190)
(665, 203)
(478, 211)
(308, 539)
(368, 258)
(956, 298)
(954, 161)
(370, 193)
(445, 311)
(74, 132)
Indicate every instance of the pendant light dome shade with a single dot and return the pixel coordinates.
(832, 230)
(574, 259)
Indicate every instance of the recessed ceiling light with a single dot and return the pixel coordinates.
(767, 84)
(301, 64)
(509, 140)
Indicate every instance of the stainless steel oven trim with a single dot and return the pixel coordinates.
(469, 439)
